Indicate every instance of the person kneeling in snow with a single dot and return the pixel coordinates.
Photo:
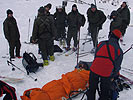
(106, 65)
(8, 90)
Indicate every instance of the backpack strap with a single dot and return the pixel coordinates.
(33, 56)
(110, 53)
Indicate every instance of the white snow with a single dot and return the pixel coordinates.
(25, 9)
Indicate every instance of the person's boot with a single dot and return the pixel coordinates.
(52, 58)
(45, 63)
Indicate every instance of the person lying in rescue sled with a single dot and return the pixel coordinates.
(106, 65)
(8, 90)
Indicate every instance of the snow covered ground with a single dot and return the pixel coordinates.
(25, 9)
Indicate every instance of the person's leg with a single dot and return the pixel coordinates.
(11, 49)
(93, 85)
(105, 88)
(69, 37)
(50, 49)
(18, 46)
(75, 34)
(42, 44)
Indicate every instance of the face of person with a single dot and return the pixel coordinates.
(10, 15)
(60, 10)
(47, 9)
(123, 5)
(93, 9)
(74, 8)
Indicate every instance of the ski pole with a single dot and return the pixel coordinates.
(28, 30)
(78, 47)
(128, 49)
(10, 63)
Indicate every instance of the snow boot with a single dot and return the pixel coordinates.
(52, 58)
(45, 63)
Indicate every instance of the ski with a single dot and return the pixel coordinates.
(129, 81)
(62, 53)
(10, 79)
(65, 51)
(70, 53)
(127, 69)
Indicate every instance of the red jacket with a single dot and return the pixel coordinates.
(102, 64)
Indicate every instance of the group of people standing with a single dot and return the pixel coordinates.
(48, 27)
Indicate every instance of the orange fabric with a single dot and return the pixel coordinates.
(57, 89)
(54, 89)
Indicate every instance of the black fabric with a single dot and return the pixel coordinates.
(57, 49)
(9, 12)
(93, 86)
(29, 62)
(14, 45)
(8, 90)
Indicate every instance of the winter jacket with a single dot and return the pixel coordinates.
(125, 15)
(96, 19)
(44, 27)
(6, 89)
(116, 23)
(60, 19)
(102, 64)
(74, 20)
(10, 28)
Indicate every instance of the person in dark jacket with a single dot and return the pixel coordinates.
(60, 17)
(116, 21)
(8, 90)
(74, 23)
(44, 30)
(96, 18)
(125, 15)
(106, 65)
(12, 35)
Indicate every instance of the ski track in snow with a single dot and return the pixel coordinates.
(25, 9)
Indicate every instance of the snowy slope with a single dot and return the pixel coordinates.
(25, 9)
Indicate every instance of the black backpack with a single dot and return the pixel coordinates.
(83, 20)
(29, 62)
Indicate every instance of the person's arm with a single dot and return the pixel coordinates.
(6, 30)
(35, 31)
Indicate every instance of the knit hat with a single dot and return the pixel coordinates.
(114, 13)
(74, 5)
(49, 5)
(41, 10)
(9, 12)
(93, 6)
(117, 33)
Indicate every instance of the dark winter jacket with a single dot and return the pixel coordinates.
(8, 90)
(10, 28)
(60, 19)
(102, 64)
(125, 15)
(74, 20)
(44, 27)
(96, 19)
(116, 23)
